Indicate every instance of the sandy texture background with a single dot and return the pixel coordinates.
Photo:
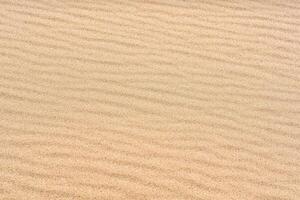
(150, 99)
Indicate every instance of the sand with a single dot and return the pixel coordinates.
(150, 99)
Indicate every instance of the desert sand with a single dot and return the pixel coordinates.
(150, 99)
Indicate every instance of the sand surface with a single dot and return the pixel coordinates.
(150, 99)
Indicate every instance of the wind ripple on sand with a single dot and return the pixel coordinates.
(150, 99)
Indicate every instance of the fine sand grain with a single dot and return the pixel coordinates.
(150, 99)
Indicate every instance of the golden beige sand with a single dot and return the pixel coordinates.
(150, 99)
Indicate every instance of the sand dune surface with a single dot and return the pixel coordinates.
(150, 99)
